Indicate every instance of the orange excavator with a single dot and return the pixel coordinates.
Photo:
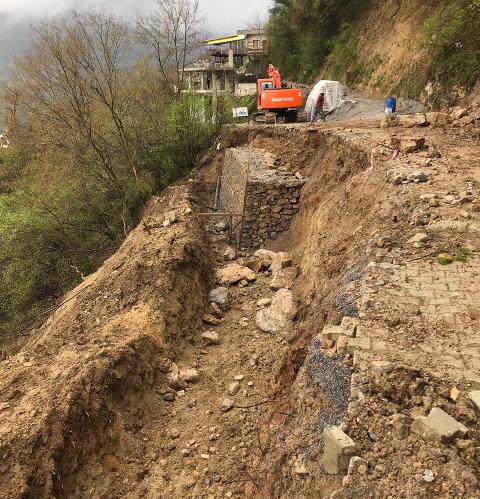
(275, 103)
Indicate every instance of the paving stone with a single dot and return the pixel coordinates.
(338, 450)
(439, 426)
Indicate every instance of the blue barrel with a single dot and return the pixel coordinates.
(391, 105)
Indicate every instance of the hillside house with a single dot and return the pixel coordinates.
(220, 70)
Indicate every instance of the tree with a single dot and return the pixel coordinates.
(173, 34)
(69, 90)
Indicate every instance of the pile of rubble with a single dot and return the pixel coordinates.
(457, 116)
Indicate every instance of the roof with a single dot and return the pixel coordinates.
(225, 39)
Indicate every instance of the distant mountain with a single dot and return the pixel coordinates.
(14, 41)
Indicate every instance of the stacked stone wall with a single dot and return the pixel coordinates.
(269, 210)
(269, 201)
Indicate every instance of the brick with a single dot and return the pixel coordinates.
(439, 426)
(338, 450)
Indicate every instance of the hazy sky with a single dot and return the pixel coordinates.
(222, 16)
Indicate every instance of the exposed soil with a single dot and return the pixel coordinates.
(88, 409)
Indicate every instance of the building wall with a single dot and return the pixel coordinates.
(242, 89)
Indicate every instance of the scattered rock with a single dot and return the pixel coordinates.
(169, 397)
(338, 450)
(280, 261)
(454, 393)
(210, 319)
(233, 388)
(211, 338)
(475, 398)
(433, 152)
(264, 302)
(284, 278)
(221, 226)
(445, 258)
(420, 237)
(439, 426)
(230, 254)
(227, 404)
(283, 301)
(219, 296)
(408, 145)
(234, 273)
(254, 263)
(389, 122)
(216, 311)
(188, 374)
(174, 433)
(383, 366)
(435, 118)
(417, 177)
(271, 320)
(409, 120)
(265, 256)
(428, 476)
(239, 377)
(458, 113)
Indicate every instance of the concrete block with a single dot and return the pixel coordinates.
(439, 426)
(358, 344)
(333, 332)
(342, 344)
(350, 324)
(475, 398)
(338, 449)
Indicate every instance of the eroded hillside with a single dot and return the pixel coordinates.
(184, 368)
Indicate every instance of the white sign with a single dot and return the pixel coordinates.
(240, 112)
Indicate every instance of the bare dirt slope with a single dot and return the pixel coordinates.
(75, 399)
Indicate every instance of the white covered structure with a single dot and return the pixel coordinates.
(333, 91)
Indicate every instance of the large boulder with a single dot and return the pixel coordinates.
(284, 278)
(233, 273)
(271, 320)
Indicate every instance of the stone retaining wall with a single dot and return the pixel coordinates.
(270, 199)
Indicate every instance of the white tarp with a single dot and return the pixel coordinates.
(333, 91)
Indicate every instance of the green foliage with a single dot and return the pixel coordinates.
(410, 85)
(452, 32)
(462, 254)
(302, 34)
(59, 219)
